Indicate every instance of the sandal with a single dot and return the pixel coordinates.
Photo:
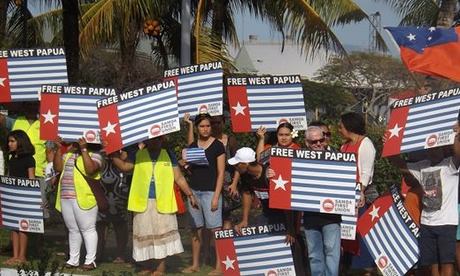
(69, 266)
(215, 273)
(88, 267)
(119, 260)
(190, 269)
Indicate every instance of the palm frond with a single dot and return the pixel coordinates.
(415, 12)
(211, 49)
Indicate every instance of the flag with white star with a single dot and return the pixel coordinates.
(429, 50)
(266, 101)
(23, 71)
(390, 234)
(138, 115)
(313, 181)
(71, 112)
(422, 122)
(255, 254)
(199, 88)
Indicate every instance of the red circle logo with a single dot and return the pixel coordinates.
(431, 141)
(104, 143)
(328, 205)
(282, 121)
(90, 136)
(155, 130)
(24, 224)
(272, 273)
(204, 109)
(382, 262)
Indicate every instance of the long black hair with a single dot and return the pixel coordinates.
(24, 146)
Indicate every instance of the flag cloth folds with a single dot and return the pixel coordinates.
(138, 115)
(422, 122)
(259, 252)
(21, 204)
(23, 71)
(196, 156)
(390, 234)
(430, 51)
(266, 101)
(71, 112)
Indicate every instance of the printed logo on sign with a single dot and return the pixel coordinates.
(282, 271)
(92, 136)
(203, 109)
(298, 122)
(382, 261)
(272, 273)
(440, 139)
(385, 266)
(215, 108)
(24, 225)
(347, 232)
(155, 130)
(282, 121)
(328, 205)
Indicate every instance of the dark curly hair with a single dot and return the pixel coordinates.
(353, 122)
(24, 146)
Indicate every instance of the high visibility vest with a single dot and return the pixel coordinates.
(33, 131)
(164, 180)
(85, 197)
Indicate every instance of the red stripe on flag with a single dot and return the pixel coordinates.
(109, 125)
(280, 184)
(239, 109)
(5, 92)
(227, 256)
(175, 83)
(373, 214)
(395, 131)
(49, 116)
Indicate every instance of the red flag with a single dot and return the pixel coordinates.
(227, 255)
(239, 108)
(110, 128)
(394, 131)
(5, 95)
(430, 51)
(49, 114)
(374, 213)
(280, 184)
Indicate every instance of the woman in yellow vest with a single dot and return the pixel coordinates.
(76, 201)
(152, 199)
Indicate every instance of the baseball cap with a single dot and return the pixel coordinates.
(245, 155)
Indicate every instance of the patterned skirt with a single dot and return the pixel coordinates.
(155, 235)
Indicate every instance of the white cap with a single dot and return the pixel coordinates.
(243, 155)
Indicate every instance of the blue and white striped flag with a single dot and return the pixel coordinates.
(21, 204)
(195, 156)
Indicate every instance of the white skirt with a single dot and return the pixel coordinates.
(155, 235)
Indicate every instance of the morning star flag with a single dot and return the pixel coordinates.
(266, 101)
(199, 88)
(390, 234)
(315, 181)
(20, 200)
(71, 112)
(422, 122)
(138, 115)
(261, 250)
(23, 71)
(429, 50)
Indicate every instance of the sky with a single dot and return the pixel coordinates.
(353, 34)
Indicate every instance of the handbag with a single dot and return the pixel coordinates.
(97, 189)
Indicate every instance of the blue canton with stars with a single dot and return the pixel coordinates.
(419, 38)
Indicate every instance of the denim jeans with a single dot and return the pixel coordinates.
(323, 244)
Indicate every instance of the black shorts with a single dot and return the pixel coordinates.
(437, 244)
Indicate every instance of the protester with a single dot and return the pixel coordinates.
(206, 183)
(116, 187)
(322, 230)
(152, 199)
(353, 128)
(75, 199)
(21, 164)
(327, 134)
(285, 135)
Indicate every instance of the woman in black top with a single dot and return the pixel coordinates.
(21, 164)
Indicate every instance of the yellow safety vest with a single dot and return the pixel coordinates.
(33, 131)
(164, 181)
(85, 197)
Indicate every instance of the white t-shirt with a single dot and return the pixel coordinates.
(440, 186)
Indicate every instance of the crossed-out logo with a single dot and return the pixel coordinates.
(431, 141)
(282, 121)
(155, 130)
(90, 136)
(24, 225)
(382, 261)
(203, 109)
(272, 273)
(328, 205)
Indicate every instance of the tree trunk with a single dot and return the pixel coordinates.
(446, 14)
(218, 17)
(71, 33)
(3, 18)
(128, 45)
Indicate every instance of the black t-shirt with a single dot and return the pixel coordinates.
(19, 167)
(203, 178)
(314, 219)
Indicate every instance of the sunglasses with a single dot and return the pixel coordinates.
(327, 134)
(316, 141)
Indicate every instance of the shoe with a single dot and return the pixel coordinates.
(190, 269)
(119, 260)
(69, 266)
(88, 267)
